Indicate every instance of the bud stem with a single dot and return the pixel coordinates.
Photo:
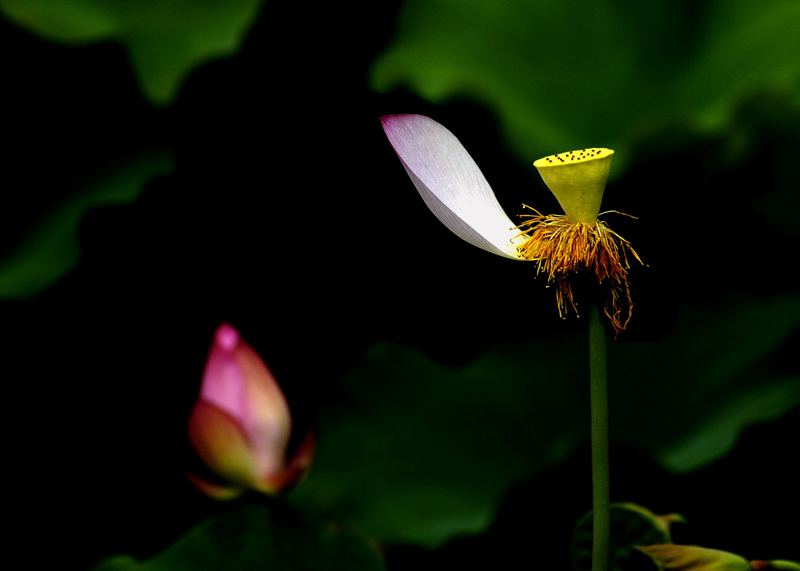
(598, 381)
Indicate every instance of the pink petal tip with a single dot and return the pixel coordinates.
(226, 337)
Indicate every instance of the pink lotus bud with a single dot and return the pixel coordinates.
(240, 424)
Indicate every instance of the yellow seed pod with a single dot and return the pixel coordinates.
(577, 179)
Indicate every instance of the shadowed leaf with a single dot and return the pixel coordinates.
(165, 40)
(52, 248)
(420, 453)
(563, 76)
(255, 537)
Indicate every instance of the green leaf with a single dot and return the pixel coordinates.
(632, 524)
(52, 249)
(420, 453)
(688, 399)
(255, 537)
(165, 39)
(694, 558)
(561, 76)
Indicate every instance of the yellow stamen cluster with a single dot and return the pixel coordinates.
(564, 249)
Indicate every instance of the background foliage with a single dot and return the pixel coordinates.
(177, 164)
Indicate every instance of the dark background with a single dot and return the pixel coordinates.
(289, 216)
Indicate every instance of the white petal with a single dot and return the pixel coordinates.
(451, 184)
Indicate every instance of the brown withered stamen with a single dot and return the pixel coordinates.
(564, 249)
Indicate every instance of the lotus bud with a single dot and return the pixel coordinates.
(240, 425)
(577, 179)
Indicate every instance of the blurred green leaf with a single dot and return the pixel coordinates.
(686, 400)
(165, 39)
(561, 76)
(694, 558)
(632, 525)
(420, 453)
(255, 537)
(717, 434)
(52, 249)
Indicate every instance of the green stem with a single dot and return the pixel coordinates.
(598, 380)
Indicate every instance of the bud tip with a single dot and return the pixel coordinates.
(227, 337)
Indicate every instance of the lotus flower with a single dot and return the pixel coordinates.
(455, 190)
(240, 424)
